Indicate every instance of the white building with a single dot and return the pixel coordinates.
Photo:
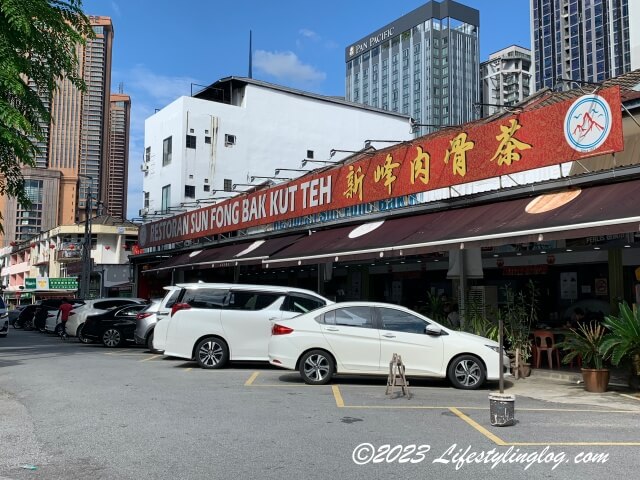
(506, 78)
(239, 128)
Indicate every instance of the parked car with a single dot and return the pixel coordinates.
(361, 338)
(53, 305)
(113, 327)
(4, 319)
(13, 314)
(90, 307)
(214, 323)
(25, 317)
(148, 317)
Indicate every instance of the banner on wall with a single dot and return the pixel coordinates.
(561, 132)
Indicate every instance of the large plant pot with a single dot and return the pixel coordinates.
(525, 370)
(595, 380)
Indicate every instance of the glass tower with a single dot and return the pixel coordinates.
(586, 40)
(425, 64)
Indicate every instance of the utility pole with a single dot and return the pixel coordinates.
(86, 246)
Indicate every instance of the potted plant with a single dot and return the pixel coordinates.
(587, 342)
(520, 312)
(623, 340)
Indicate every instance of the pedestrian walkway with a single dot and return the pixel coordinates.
(566, 387)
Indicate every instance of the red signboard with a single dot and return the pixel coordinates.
(562, 132)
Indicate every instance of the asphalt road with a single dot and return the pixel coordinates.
(82, 411)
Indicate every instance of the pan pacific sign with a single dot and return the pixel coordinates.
(370, 42)
(476, 151)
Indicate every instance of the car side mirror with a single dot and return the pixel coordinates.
(433, 330)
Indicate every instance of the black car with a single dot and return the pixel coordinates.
(114, 327)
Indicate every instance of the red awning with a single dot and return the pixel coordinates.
(603, 209)
(227, 255)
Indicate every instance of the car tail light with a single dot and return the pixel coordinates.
(280, 330)
(140, 316)
(179, 306)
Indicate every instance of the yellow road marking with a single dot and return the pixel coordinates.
(188, 369)
(253, 376)
(338, 396)
(116, 352)
(497, 440)
(149, 358)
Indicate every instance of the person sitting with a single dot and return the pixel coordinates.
(577, 319)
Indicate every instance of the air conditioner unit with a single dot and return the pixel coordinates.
(143, 212)
(144, 167)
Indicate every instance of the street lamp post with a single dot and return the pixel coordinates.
(86, 246)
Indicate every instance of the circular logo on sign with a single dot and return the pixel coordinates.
(587, 123)
(352, 50)
(142, 235)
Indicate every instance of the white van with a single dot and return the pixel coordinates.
(214, 323)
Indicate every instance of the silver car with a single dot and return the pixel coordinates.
(147, 318)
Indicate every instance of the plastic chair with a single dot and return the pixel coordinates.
(543, 342)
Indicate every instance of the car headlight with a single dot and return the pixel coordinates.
(4, 315)
(494, 348)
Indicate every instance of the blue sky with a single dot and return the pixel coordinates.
(161, 47)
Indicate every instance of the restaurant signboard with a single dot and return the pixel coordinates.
(540, 137)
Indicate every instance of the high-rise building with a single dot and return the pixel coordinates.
(425, 64)
(584, 40)
(75, 147)
(506, 78)
(116, 170)
(94, 141)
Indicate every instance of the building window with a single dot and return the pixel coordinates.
(147, 154)
(189, 191)
(207, 188)
(191, 141)
(166, 151)
(228, 185)
(146, 199)
(166, 198)
(310, 154)
(207, 140)
(229, 140)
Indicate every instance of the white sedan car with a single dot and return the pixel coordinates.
(361, 338)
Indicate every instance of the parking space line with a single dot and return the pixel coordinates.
(116, 352)
(574, 444)
(494, 438)
(188, 369)
(633, 397)
(149, 358)
(338, 396)
(253, 376)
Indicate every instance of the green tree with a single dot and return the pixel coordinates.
(38, 46)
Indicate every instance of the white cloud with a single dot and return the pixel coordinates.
(161, 88)
(286, 66)
(305, 32)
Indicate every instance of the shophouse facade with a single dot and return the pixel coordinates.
(440, 215)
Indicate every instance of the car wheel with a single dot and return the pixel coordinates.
(212, 353)
(466, 372)
(112, 338)
(18, 325)
(150, 342)
(81, 337)
(316, 367)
